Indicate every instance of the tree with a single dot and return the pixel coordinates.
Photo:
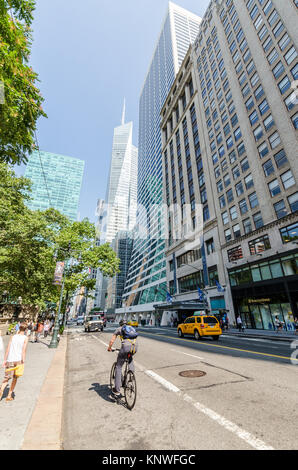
(22, 105)
(30, 239)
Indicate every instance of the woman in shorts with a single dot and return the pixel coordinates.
(15, 355)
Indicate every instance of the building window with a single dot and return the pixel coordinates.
(236, 231)
(278, 70)
(244, 164)
(230, 196)
(210, 246)
(289, 233)
(291, 55)
(263, 149)
(247, 226)
(285, 40)
(259, 92)
(233, 213)
(280, 158)
(274, 188)
(248, 181)
(222, 202)
(258, 220)
(284, 85)
(228, 235)
(239, 189)
(280, 209)
(268, 168)
(235, 254)
(293, 202)
(253, 118)
(268, 122)
(236, 172)
(287, 179)
(274, 140)
(243, 206)
(253, 200)
(213, 275)
(225, 217)
(263, 107)
(259, 245)
(272, 57)
(258, 133)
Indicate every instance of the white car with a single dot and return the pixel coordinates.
(80, 320)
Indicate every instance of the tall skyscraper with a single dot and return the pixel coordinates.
(121, 194)
(146, 281)
(57, 181)
(232, 148)
(118, 213)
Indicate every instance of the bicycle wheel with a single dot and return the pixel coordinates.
(112, 376)
(130, 390)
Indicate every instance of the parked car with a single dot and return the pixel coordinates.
(93, 323)
(80, 320)
(200, 326)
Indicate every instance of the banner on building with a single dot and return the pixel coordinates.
(58, 273)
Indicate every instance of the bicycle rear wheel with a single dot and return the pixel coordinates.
(112, 376)
(130, 390)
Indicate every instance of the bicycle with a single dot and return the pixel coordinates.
(129, 383)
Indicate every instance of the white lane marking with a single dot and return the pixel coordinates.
(186, 354)
(162, 381)
(228, 425)
(232, 427)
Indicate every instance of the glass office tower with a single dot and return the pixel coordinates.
(56, 182)
(118, 212)
(146, 280)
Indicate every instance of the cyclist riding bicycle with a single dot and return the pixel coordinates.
(129, 344)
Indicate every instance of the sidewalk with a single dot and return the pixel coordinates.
(33, 420)
(264, 334)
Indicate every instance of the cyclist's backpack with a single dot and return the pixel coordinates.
(128, 332)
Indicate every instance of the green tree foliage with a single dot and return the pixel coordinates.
(22, 100)
(29, 241)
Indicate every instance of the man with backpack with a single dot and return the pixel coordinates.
(129, 344)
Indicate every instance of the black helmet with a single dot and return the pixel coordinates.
(122, 322)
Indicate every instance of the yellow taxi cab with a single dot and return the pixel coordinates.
(200, 326)
(133, 323)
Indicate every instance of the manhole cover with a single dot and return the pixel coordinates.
(192, 373)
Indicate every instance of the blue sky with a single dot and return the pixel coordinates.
(90, 55)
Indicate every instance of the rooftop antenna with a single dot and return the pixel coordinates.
(123, 114)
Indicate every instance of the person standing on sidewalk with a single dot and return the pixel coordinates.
(296, 325)
(15, 355)
(38, 331)
(239, 324)
(46, 328)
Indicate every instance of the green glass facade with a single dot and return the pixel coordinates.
(56, 182)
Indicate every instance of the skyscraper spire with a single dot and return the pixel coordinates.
(123, 114)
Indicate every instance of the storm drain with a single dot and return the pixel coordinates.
(192, 373)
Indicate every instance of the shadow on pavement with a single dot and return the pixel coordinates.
(104, 391)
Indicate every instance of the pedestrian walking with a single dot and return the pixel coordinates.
(278, 324)
(14, 356)
(46, 328)
(239, 324)
(39, 330)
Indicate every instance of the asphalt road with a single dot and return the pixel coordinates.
(246, 399)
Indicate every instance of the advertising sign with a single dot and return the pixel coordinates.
(58, 273)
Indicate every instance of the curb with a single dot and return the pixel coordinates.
(44, 429)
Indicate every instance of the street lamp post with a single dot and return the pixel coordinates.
(54, 340)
